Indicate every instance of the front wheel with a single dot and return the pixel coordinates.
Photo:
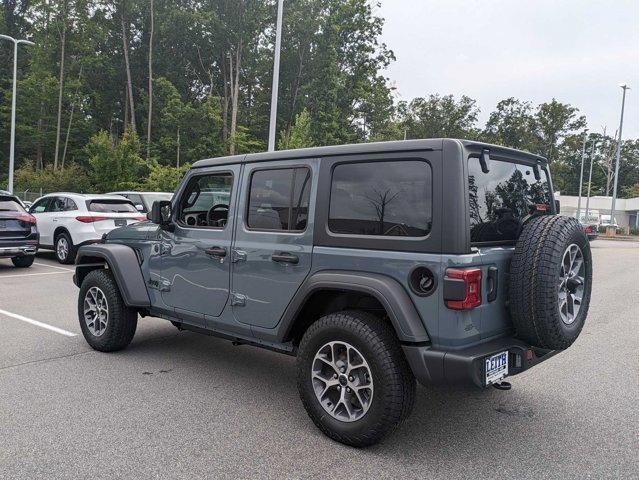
(106, 322)
(353, 378)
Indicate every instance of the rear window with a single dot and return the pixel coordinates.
(501, 199)
(382, 199)
(9, 204)
(111, 206)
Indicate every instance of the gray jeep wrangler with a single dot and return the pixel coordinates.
(376, 265)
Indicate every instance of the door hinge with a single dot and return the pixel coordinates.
(238, 300)
(238, 256)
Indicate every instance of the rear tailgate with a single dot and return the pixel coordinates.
(107, 214)
(15, 222)
(105, 222)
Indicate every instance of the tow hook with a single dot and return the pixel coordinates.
(502, 386)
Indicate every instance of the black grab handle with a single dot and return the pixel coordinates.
(285, 257)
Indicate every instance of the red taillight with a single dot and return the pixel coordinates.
(140, 219)
(472, 283)
(89, 219)
(26, 218)
(588, 229)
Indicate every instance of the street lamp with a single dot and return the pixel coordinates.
(581, 175)
(13, 105)
(276, 76)
(614, 190)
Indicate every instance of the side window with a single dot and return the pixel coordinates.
(381, 199)
(205, 201)
(58, 204)
(40, 206)
(279, 199)
(70, 205)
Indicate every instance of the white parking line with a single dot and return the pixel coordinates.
(53, 266)
(2, 277)
(38, 324)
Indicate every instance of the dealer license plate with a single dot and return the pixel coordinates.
(496, 367)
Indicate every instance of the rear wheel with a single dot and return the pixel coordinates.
(64, 249)
(353, 378)
(106, 322)
(23, 262)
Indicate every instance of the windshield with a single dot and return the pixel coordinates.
(501, 199)
(111, 206)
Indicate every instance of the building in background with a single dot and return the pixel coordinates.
(626, 210)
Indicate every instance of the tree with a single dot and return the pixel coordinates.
(439, 116)
(512, 124)
(300, 135)
(150, 117)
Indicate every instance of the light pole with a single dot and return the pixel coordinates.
(581, 175)
(592, 156)
(276, 77)
(13, 105)
(614, 190)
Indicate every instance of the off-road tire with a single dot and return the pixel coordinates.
(72, 249)
(23, 262)
(394, 383)
(122, 320)
(534, 281)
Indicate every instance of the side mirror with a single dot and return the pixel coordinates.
(160, 212)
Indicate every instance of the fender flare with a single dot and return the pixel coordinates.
(123, 262)
(389, 292)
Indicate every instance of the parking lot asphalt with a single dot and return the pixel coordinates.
(181, 405)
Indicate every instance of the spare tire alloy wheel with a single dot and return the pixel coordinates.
(550, 282)
(342, 381)
(96, 311)
(571, 283)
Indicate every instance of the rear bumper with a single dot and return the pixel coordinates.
(18, 251)
(466, 366)
(19, 247)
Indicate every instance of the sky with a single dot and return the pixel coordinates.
(575, 51)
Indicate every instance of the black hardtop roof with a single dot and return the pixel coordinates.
(363, 148)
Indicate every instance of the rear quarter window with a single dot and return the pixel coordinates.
(390, 199)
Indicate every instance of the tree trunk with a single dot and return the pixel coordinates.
(225, 101)
(125, 47)
(235, 93)
(39, 159)
(63, 41)
(66, 141)
(150, 118)
(177, 162)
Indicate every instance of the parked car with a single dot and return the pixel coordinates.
(441, 261)
(18, 231)
(144, 200)
(69, 220)
(591, 231)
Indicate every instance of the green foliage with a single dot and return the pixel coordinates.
(440, 116)
(300, 135)
(164, 178)
(72, 179)
(115, 165)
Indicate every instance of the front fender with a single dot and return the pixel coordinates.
(123, 262)
(388, 291)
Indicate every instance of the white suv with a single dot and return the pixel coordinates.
(68, 220)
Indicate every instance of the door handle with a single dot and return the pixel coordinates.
(217, 252)
(285, 257)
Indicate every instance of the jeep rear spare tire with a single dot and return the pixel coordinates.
(550, 282)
